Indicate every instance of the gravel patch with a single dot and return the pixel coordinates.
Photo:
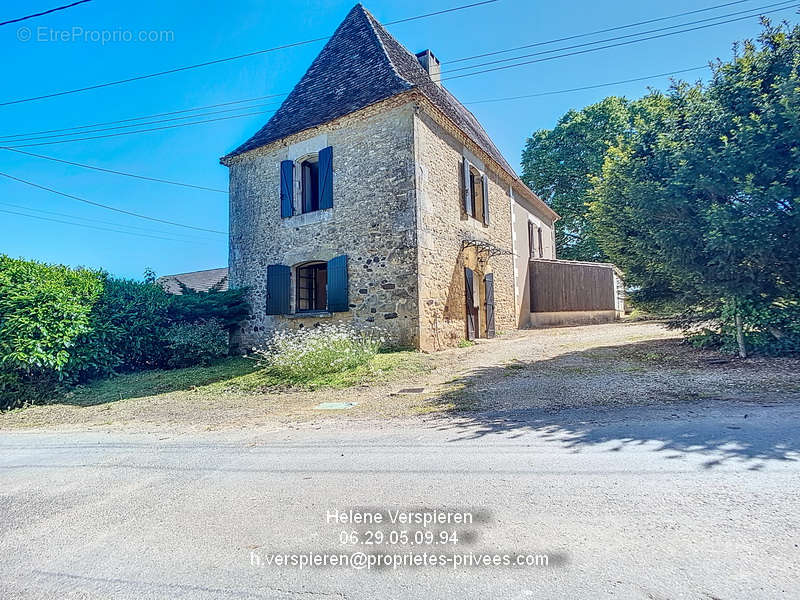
(547, 369)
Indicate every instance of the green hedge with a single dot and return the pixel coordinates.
(60, 326)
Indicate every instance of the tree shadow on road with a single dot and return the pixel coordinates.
(656, 394)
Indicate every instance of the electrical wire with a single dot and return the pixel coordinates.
(168, 120)
(615, 45)
(597, 32)
(11, 212)
(113, 208)
(121, 133)
(587, 87)
(134, 175)
(753, 12)
(187, 237)
(153, 116)
(46, 12)
(221, 60)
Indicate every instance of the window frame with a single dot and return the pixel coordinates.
(540, 241)
(311, 158)
(314, 297)
(476, 177)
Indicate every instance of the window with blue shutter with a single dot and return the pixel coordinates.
(326, 178)
(338, 298)
(287, 188)
(278, 277)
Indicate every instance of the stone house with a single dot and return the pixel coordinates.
(374, 196)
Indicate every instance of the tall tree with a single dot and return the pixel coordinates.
(700, 202)
(558, 164)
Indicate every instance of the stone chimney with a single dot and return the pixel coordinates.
(431, 64)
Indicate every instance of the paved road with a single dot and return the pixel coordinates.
(659, 503)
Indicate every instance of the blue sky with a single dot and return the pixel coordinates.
(197, 31)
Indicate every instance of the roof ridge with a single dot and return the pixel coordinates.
(374, 24)
(193, 272)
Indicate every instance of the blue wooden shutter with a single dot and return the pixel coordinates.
(326, 178)
(467, 189)
(287, 188)
(338, 298)
(278, 277)
(485, 182)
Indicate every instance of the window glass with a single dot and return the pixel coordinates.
(309, 184)
(312, 283)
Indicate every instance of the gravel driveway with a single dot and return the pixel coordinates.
(617, 364)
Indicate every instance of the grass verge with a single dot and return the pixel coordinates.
(236, 375)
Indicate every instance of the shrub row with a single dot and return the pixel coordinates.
(61, 326)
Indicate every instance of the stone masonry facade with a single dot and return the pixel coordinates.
(442, 227)
(398, 215)
(372, 222)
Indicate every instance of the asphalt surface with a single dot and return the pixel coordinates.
(682, 501)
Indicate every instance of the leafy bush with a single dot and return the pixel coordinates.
(229, 308)
(18, 389)
(300, 355)
(60, 325)
(134, 322)
(772, 330)
(127, 329)
(200, 343)
(44, 309)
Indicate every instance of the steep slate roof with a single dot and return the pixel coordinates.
(362, 64)
(199, 281)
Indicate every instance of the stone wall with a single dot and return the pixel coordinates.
(373, 222)
(443, 225)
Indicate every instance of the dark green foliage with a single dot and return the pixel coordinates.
(128, 325)
(197, 343)
(558, 163)
(229, 307)
(771, 330)
(699, 204)
(59, 326)
(44, 309)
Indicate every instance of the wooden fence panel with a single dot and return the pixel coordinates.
(567, 286)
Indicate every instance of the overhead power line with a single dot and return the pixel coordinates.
(14, 147)
(10, 138)
(187, 110)
(615, 45)
(226, 59)
(153, 116)
(597, 32)
(81, 218)
(783, 4)
(168, 120)
(113, 208)
(121, 133)
(158, 237)
(587, 87)
(45, 12)
(438, 12)
(134, 175)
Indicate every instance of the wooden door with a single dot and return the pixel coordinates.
(469, 298)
